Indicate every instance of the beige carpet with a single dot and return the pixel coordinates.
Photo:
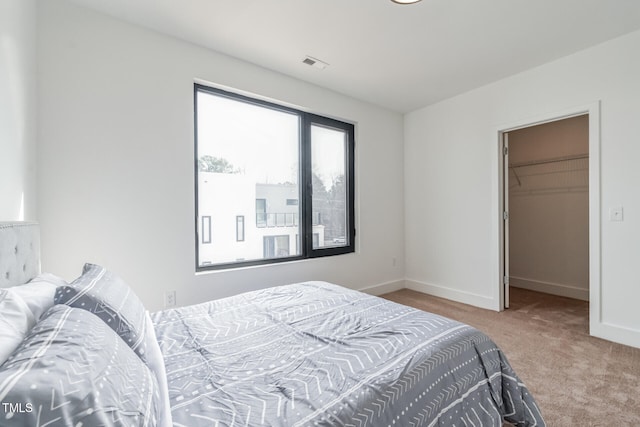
(576, 379)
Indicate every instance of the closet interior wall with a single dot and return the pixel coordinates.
(549, 207)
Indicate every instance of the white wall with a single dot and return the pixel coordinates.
(116, 176)
(451, 170)
(17, 110)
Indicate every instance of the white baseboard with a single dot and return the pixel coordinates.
(598, 329)
(452, 294)
(384, 288)
(615, 333)
(550, 288)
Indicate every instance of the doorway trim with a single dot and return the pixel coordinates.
(595, 289)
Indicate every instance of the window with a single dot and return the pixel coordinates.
(261, 213)
(240, 228)
(290, 170)
(206, 230)
(276, 246)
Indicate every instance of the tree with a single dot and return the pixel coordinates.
(209, 163)
(337, 196)
(330, 207)
(319, 201)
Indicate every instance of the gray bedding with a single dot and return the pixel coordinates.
(72, 370)
(316, 354)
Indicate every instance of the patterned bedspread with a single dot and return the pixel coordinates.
(316, 354)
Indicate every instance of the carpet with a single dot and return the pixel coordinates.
(577, 380)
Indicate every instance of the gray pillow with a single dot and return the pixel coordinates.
(108, 296)
(73, 370)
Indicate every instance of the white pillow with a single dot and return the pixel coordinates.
(21, 307)
(16, 320)
(39, 292)
(155, 362)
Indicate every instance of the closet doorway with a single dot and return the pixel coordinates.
(547, 204)
(548, 210)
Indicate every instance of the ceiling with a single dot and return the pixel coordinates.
(401, 57)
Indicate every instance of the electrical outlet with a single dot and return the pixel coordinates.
(169, 299)
(616, 213)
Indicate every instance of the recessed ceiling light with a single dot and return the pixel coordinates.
(405, 1)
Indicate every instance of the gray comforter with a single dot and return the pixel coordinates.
(316, 354)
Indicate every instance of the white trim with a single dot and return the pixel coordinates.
(596, 325)
(560, 289)
(615, 333)
(504, 301)
(384, 288)
(451, 294)
(595, 222)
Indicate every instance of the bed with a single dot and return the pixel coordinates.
(87, 353)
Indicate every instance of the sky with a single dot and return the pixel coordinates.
(231, 129)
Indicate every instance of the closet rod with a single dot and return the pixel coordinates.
(542, 162)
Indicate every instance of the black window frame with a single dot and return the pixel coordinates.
(306, 121)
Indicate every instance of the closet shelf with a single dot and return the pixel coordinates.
(528, 173)
(542, 162)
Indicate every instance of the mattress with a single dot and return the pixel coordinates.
(317, 354)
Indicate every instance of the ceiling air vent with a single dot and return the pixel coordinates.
(314, 62)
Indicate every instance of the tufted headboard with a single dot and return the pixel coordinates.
(19, 252)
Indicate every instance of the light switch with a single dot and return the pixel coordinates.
(616, 214)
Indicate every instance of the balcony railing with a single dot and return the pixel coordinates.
(288, 219)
